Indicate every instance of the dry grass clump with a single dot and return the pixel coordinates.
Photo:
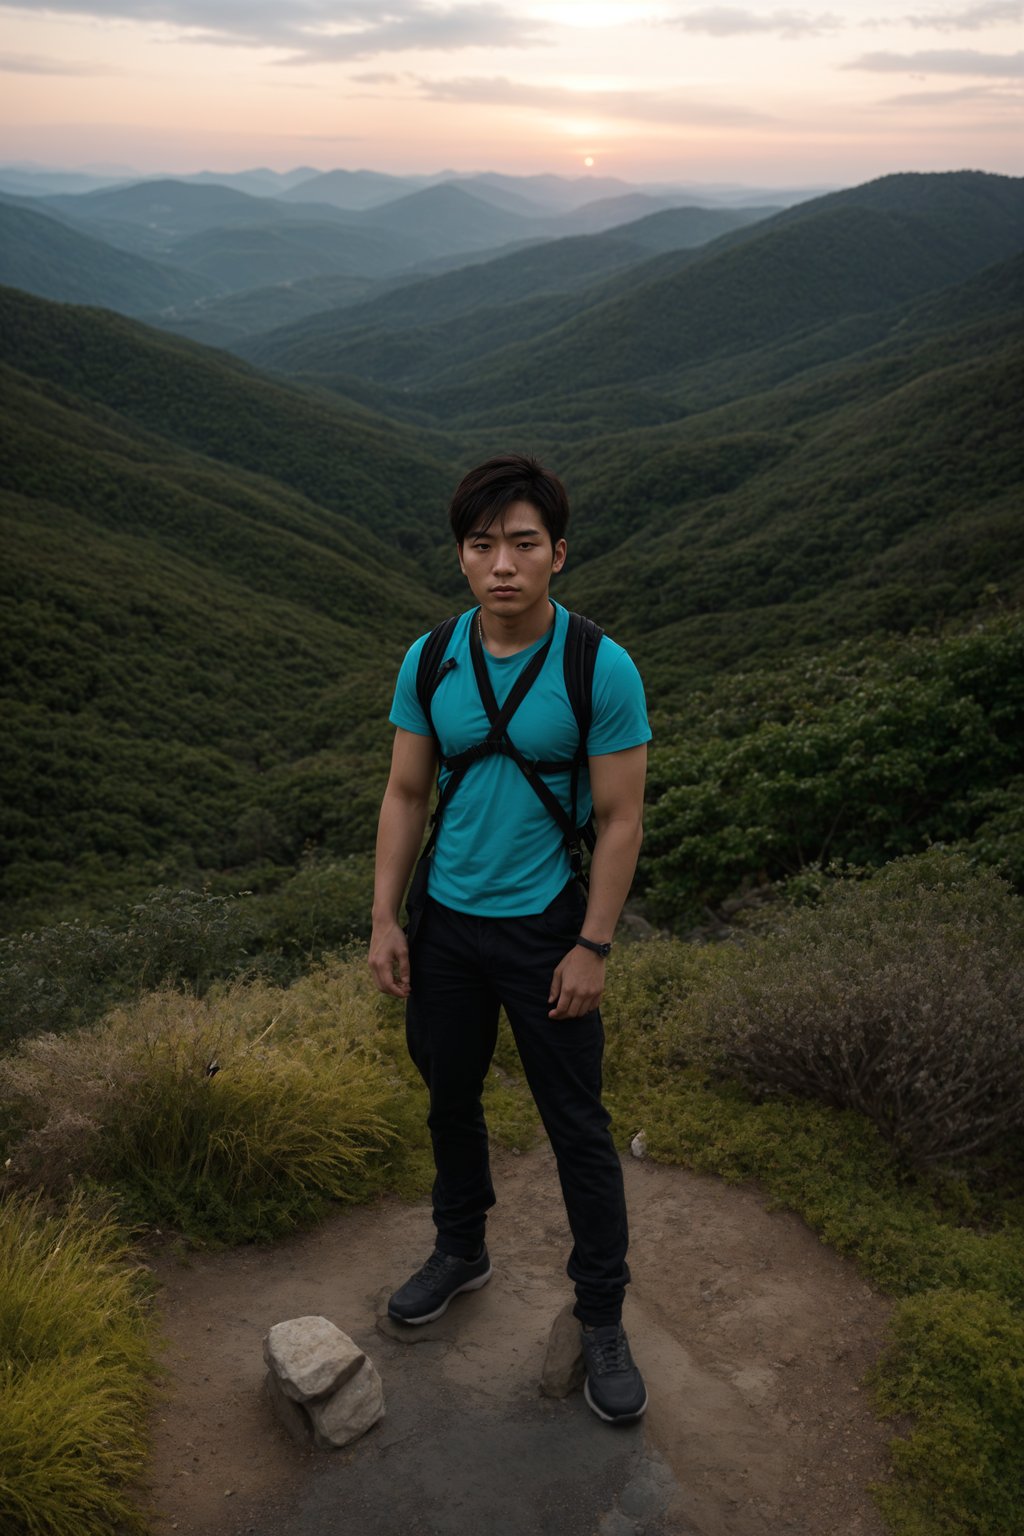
(235, 1116)
(901, 997)
(76, 1364)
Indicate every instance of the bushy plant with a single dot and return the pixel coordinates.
(862, 754)
(59, 977)
(75, 1366)
(231, 1117)
(323, 905)
(901, 997)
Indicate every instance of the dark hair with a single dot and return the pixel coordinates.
(487, 491)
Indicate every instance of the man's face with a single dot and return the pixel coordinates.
(510, 564)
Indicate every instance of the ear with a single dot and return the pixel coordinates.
(561, 549)
(462, 563)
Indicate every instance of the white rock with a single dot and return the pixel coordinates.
(349, 1412)
(310, 1357)
(638, 1146)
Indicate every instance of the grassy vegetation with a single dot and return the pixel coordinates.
(234, 1116)
(76, 1363)
(313, 1100)
(228, 1119)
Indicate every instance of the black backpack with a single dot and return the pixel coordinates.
(581, 642)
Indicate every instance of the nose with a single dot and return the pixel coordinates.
(504, 560)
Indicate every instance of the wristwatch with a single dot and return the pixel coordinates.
(604, 950)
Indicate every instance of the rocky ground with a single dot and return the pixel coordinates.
(753, 1337)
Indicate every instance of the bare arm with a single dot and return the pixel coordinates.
(617, 786)
(403, 817)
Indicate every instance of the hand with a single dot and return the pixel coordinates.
(577, 984)
(389, 959)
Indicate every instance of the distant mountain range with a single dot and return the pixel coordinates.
(668, 326)
(222, 241)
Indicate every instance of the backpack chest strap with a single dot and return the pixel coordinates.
(498, 741)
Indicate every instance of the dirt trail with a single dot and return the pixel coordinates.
(753, 1338)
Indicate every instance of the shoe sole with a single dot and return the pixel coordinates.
(428, 1317)
(613, 1418)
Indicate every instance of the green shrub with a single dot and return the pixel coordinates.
(322, 906)
(862, 754)
(900, 997)
(956, 1365)
(76, 1362)
(57, 978)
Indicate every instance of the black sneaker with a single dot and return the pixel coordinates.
(426, 1294)
(614, 1387)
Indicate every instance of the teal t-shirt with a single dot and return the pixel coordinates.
(499, 852)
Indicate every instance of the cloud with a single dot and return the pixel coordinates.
(422, 28)
(648, 106)
(731, 21)
(312, 31)
(943, 61)
(990, 13)
(32, 64)
(989, 95)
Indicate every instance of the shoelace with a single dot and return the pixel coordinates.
(608, 1354)
(434, 1268)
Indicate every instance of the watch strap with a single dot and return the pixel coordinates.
(604, 950)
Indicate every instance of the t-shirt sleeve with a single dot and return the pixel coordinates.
(620, 709)
(406, 710)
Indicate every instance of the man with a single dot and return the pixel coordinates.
(504, 921)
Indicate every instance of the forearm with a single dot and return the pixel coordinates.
(611, 874)
(399, 838)
(578, 982)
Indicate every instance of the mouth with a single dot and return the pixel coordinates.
(504, 591)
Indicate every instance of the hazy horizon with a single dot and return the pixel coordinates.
(128, 172)
(761, 94)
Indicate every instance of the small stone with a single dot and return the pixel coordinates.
(349, 1412)
(638, 1146)
(310, 1357)
(290, 1413)
(564, 1370)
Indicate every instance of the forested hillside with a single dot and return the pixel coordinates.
(800, 437)
(44, 256)
(833, 269)
(187, 634)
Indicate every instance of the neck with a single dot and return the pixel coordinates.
(504, 636)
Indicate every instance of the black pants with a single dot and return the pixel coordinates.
(463, 969)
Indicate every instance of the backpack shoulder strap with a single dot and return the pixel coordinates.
(429, 670)
(579, 660)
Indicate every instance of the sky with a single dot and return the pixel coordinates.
(759, 93)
